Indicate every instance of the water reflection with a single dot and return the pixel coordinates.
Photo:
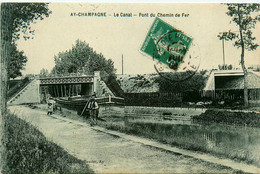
(236, 142)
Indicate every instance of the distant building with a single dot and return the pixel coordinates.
(229, 84)
(254, 67)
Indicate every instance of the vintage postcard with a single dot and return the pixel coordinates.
(130, 87)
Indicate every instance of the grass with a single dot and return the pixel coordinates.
(28, 151)
(193, 138)
(16, 87)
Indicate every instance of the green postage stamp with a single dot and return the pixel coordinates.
(166, 44)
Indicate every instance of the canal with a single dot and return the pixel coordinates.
(230, 141)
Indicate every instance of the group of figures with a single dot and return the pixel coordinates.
(91, 106)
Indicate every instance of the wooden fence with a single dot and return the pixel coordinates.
(180, 98)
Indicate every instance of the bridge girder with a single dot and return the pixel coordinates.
(66, 80)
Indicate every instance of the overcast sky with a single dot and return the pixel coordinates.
(114, 36)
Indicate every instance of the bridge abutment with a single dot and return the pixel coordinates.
(63, 86)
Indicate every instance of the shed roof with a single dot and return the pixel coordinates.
(238, 83)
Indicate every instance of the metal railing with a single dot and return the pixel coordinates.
(66, 75)
(110, 100)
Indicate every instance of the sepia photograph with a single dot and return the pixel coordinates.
(91, 87)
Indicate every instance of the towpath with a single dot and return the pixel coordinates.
(108, 151)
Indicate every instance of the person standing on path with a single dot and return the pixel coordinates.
(93, 110)
(50, 109)
(51, 106)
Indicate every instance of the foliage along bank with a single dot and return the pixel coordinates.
(28, 151)
(227, 117)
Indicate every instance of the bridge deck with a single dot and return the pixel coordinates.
(66, 80)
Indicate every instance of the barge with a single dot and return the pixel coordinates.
(107, 105)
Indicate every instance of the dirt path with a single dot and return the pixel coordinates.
(107, 153)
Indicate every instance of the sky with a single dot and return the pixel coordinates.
(117, 36)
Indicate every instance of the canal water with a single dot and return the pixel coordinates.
(234, 142)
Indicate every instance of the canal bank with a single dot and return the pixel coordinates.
(175, 127)
(63, 126)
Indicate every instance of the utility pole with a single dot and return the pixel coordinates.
(122, 64)
(223, 53)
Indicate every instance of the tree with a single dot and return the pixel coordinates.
(81, 58)
(44, 72)
(245, 17)
(196, 83)
(15, 19)
(16, 63)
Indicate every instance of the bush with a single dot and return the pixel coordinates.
(28, 151)
(167, 82)
(17, 86)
